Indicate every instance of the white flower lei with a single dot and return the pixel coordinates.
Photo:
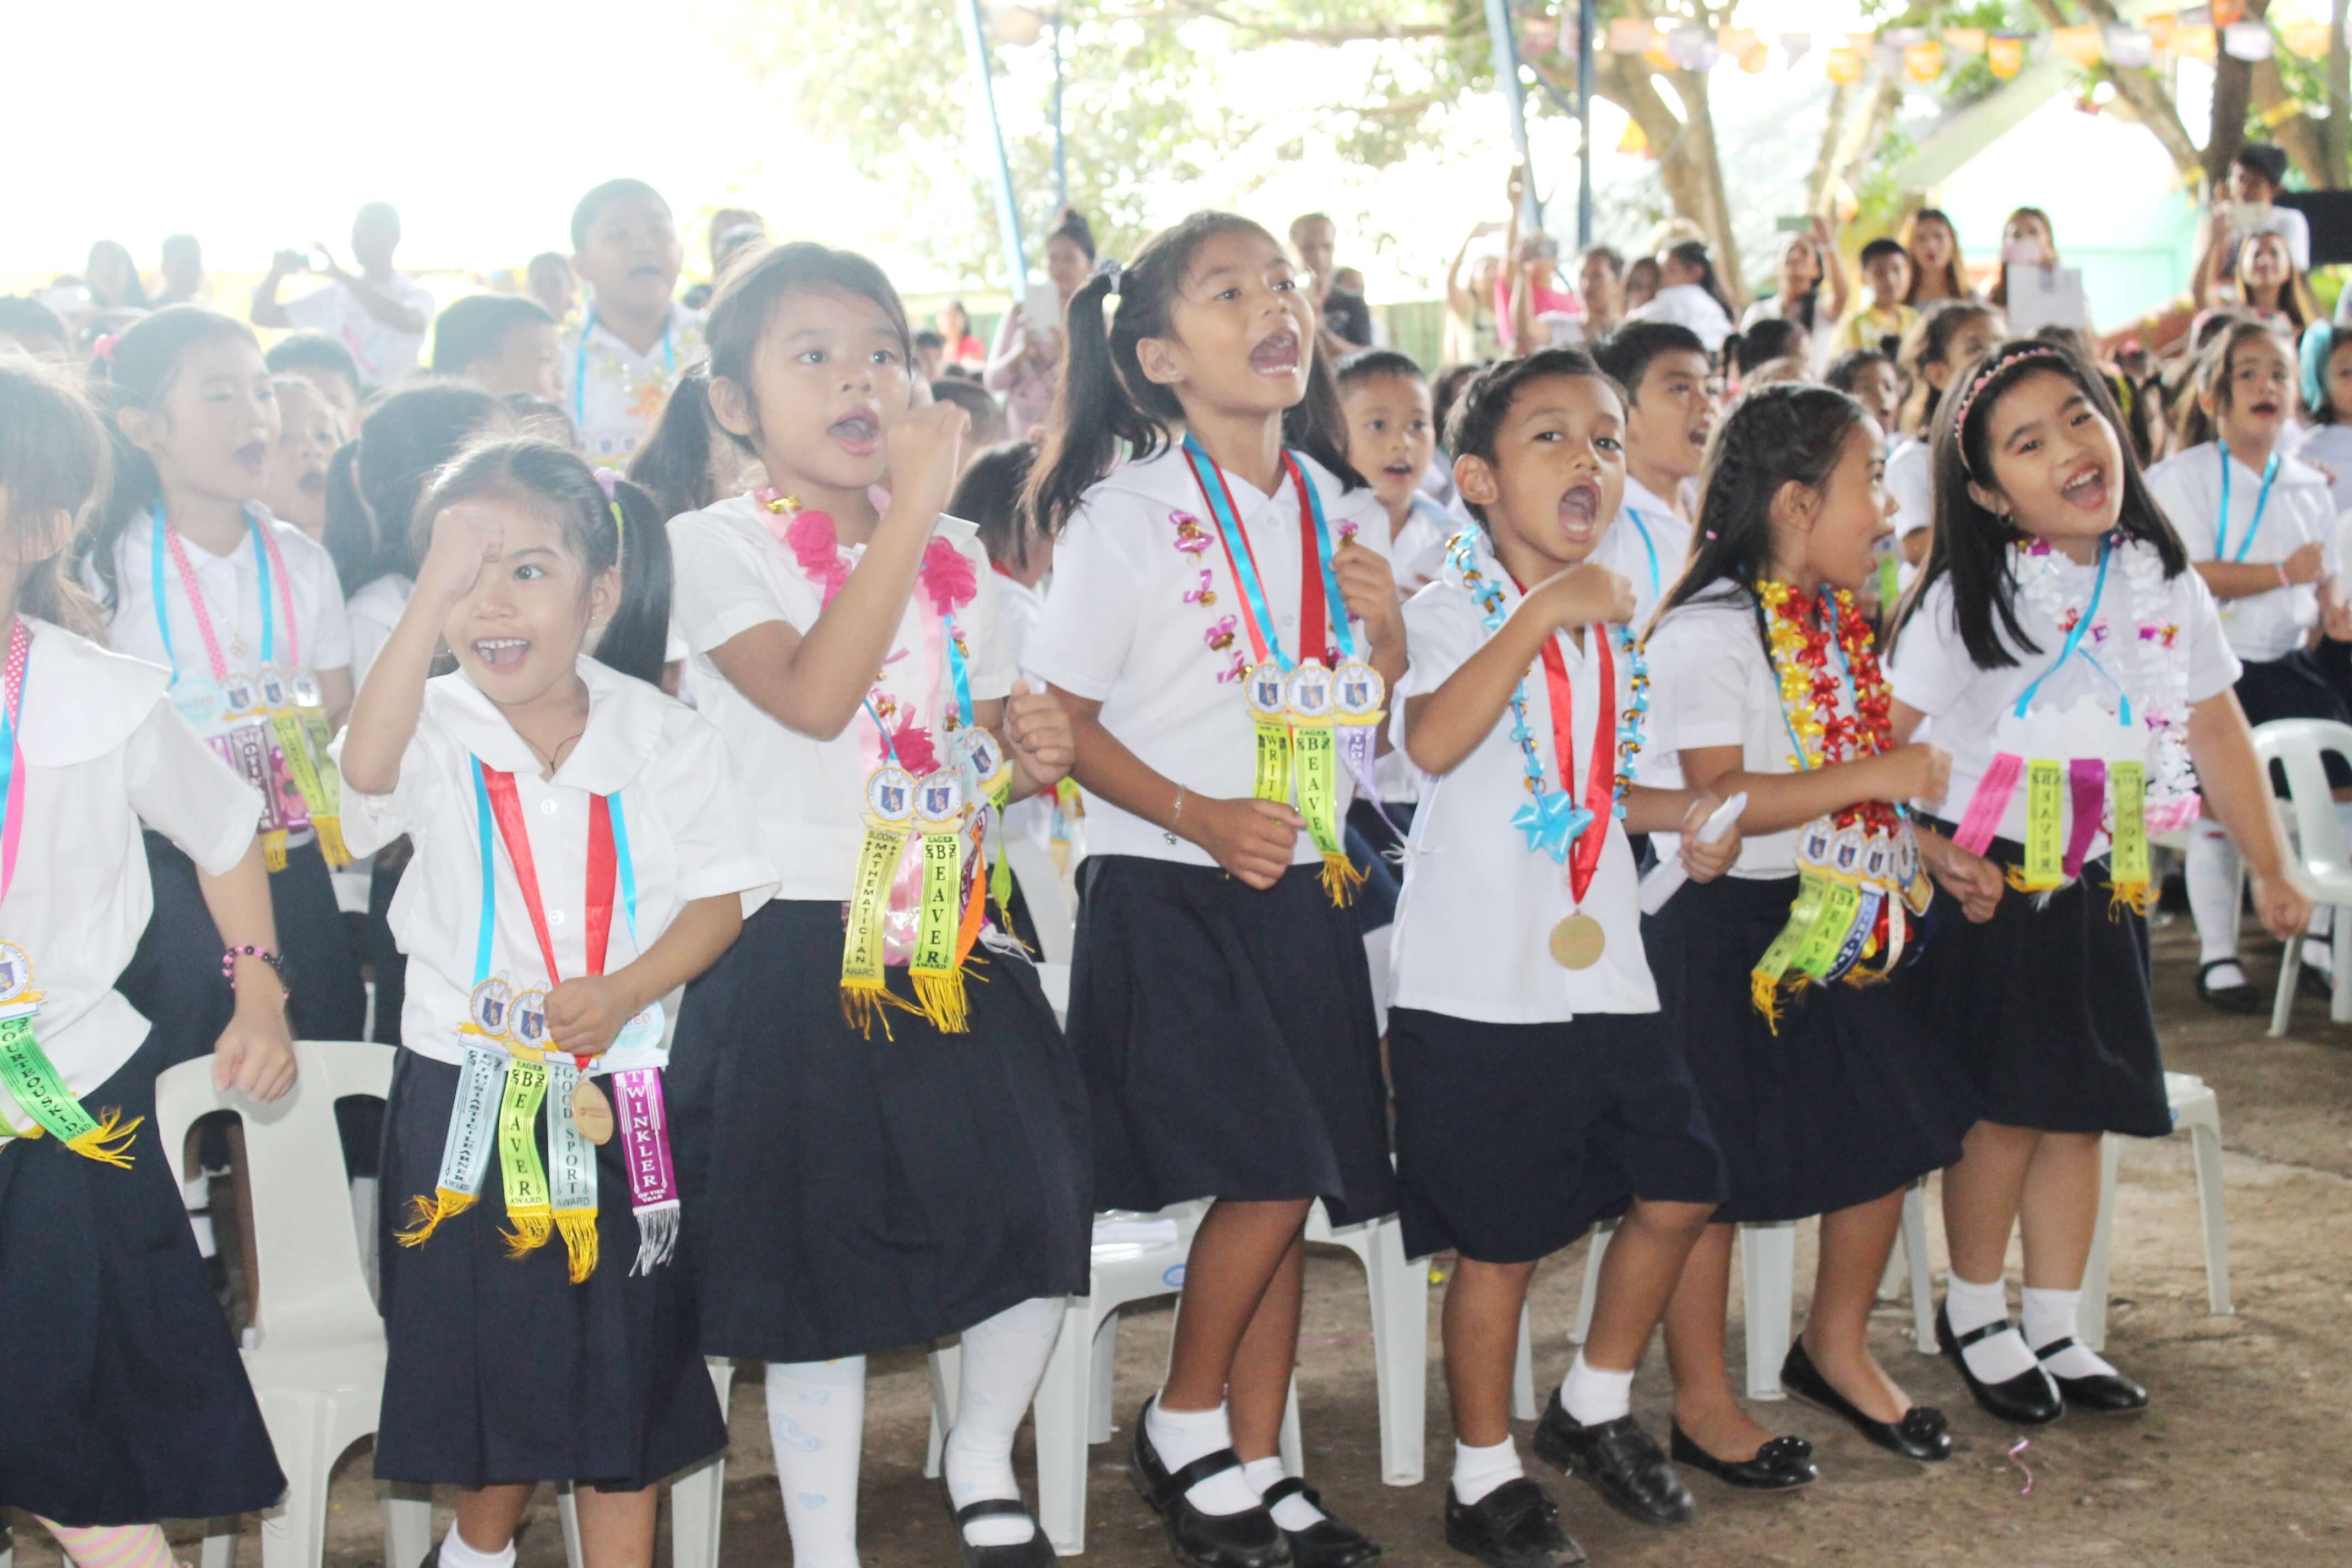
(2137, 641)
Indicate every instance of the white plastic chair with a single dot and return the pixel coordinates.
(1768, 1259)
(316, 1351)
(2197, 1110)
(1052, 905)
(693, 1499)
(1399, 1287)
(2300, 746)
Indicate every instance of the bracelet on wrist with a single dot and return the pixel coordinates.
(249, 950)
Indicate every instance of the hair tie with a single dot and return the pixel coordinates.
(609, 481)
(105, 346)
(1109, 267)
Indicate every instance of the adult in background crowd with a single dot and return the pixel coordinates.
(1027, 365)
(183, 271)
(379, 313)
(1346, 316)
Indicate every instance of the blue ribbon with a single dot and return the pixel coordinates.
(1336, 606)
(580, 366)
(1551, 822)
(2081, 630)
(1245, 570)
(1648, 544)
(2221, 527)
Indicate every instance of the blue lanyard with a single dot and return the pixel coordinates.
(2081, 630)
(580, 366)
(1649, 544)
(1244, 565)
(487, 927)
(2221, 527)
(160, 526)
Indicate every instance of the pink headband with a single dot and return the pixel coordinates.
(1978, 382)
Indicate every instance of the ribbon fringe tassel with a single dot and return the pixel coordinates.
(273, 851)
(109, 1142)
(657, 1237)
(2138, 897)
(445, 1203)
(1340, 880)
(578, 1228)
(533, 1226)
(330, 831)
(941, 998)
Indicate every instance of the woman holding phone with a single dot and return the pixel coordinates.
(1025, 367)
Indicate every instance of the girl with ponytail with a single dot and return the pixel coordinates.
(512, 1360)
(1229, 575)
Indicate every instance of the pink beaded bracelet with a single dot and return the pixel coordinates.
(229, 958)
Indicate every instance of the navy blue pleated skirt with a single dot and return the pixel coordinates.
(500, 1370)
(1854, 1098)
(126, 1399)
(1228, 1040)
(846, 1193)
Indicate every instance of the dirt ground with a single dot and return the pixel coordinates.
(2240, 1461)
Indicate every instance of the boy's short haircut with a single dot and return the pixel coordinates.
(1486, 404)
(475, 327)
(2262, 158)
(1880, 247)
(988, 423)
(1365, 364)
(1626, 354)
(583, 217)
(1845, 371)
(1609, 253)
(312, 351)
(928, 339)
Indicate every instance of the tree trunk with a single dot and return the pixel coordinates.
(2148, 95)
(1684, 146)
(2292, 128)
(1824, 171)
(2233, 91)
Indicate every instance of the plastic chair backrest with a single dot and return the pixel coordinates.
(2299, 746)
(1048, 898)
(300, 1188)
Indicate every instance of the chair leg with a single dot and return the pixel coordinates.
(2290, 972)
(219, 1549)
(1601, 1234)
(1064, 1404)
(1104, 1381)
(2339, 945)
(1915, 1252)
(2091, 1322)
(567, 1509)
(947, 1379)
(294, 1533)
(2205, 1141)
(1292, 1444)
(407, 1523)
(1767, 1255)
(695, 1500)
(1523, 1374)
(1399, 1293)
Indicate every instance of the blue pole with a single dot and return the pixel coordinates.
(1507, 76)
(1061, 146)
(1584, 29)
(1008, 215)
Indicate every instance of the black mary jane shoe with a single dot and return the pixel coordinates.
(1623, 1464)
(1326, 1543)
(2102, 1394)
(2238, 998)
(1516, 1525)
(1781, 1465)
(2029, 1399)
(1920, 1435)
(1249, 1538)
(1035, 1552)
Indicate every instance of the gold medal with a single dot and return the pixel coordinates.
(1577, 942)
(591, 1112)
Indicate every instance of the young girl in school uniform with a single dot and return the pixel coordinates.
(875, 1106)
(583, 850)
(134, 1403)
(2057, 626)
(247, 614)
(1220, 1002)
(2260, 527)
(1538, 1089)
(1820, 1093)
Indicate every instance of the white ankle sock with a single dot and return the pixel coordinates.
(1592, 1395)
(2049, 1318)
(816, 1419)
(1181, 1436)
(1292, 1512)
(1478, 1471)
(1003, 1360)
(456, 1553)
(2212, 877)
(1996, 1358)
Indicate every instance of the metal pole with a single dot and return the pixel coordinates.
(1507, 76)
(1584, 26)
(983, 114)
(1061, 146)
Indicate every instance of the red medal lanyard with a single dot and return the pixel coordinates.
(1600, 784)
(506, 809)
(1312, 640)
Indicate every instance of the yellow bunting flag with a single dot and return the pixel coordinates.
(1965, 40)
(1924, 63)
(2006, 56)
(1844, 65)
(2081, 45)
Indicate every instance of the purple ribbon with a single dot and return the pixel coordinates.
(2088, 776)
(653, 1174)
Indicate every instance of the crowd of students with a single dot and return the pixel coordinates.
(1496, 814)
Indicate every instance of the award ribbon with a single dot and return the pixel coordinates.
(31, 1079)
(643, 1122)
(300, 725)
(889, 823)
(247, 747)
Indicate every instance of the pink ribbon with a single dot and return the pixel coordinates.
(653, 1174)
(2088, 776)
(1990, 803)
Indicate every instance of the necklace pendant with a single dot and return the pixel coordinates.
(1577, 941)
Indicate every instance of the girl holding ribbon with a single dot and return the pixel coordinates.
(2259, 529)
(1538, 1089)
(122, 1348)
(1810, 1068)
(1223, 627)
(582, 849)
(247, 614)
(877, 1111)
(2076, 668)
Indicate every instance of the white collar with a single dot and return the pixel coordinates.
(1640, 498)
(626, 717)
(83, 700)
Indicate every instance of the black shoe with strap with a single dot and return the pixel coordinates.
(2238, 998)
(1921, 1434)
(1781, 1465)
(1516, 1525)
(2100, 1394)
(2029, 1399)
(1035, 1552)
(1622, 1462)
(1249, 1538)
(1326, 1543)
